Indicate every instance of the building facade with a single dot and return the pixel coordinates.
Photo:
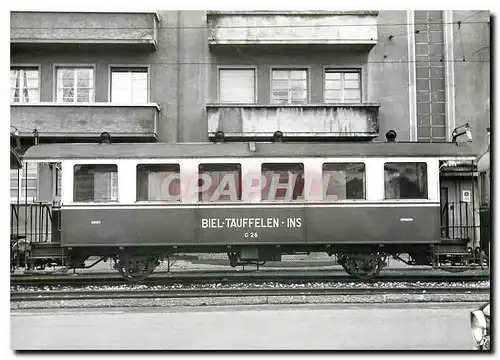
(181, 76)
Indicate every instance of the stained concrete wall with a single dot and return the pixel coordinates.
(82, 27)
(472, 74)
(388, 74)
(164, 72)
(183, 71)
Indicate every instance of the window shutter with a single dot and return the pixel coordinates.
(237, 86)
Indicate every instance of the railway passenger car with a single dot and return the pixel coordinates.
(361, 202)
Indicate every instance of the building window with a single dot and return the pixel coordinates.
(343, 181)
(158, 182)
(24, 85)
(289, 86)
(95, 183)
(75, 84)
(405, 180)
(219, 182)
(237, 86)
(129, 86)
(283, 182)
(342, 86)
(24, 183)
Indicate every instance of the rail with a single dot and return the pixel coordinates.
(459, 220)
(14, 222)
(175, 293)
(283, 276)
(29, 223)
(40, 221)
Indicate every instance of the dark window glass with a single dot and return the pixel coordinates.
(58, 179)
(95, 183)
(405, 180)
(158, 182)
(343, 181)
(485, 190)
(283, 182)
(219, 182)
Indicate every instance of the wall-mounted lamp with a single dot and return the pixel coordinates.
(459, 131)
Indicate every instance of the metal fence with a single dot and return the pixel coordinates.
(459, 220)
(32, 222)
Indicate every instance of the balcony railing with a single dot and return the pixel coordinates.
(292, 27)
(306, 120)
(85, 119)
(134, 29)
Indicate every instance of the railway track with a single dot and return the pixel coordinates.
(228, 277)
(234, 292)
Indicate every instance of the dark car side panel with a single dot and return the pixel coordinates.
(168, 226)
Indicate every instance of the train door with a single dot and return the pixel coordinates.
(459, 206)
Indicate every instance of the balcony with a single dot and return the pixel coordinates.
(138, 30)
(347, 121)
(292, 27)
(85, 119)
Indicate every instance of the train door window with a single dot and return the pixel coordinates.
(56, 180)
(343, 181)
(484, 190)
(219, 182)
(282, 182)
(95, 183)
(405, 180)
(158, 182)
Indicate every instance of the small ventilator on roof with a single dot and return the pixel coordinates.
(278, 136)
(105, 138)
(391, 136)
(219, 137)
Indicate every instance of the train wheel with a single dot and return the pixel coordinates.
(136, 270)
(363, 265)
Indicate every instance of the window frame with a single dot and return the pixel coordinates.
(24, 66)
(157, 201)
(238, 67)
(426, 195)
(73, 66)
(240, 185)
(130, 67)
(304, 186)
(356, 69)
(307, 69)
(73, 197)
(325, 196)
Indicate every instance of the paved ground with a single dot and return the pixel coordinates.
(397, 326)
